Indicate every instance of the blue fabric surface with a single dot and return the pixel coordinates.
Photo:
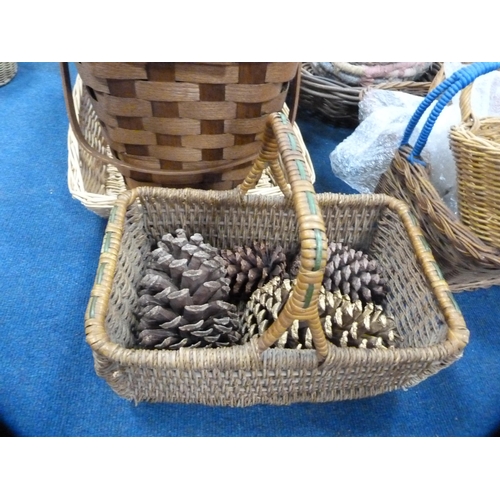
(49, 248)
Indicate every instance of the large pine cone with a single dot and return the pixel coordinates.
(352, 273)
(346, 323)
(250, 267)
(183, 297)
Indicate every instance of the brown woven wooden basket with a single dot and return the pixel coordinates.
(95, 182)
(475, 144)
(338, 101)
(186, 124)
(467, 261)
(433, 330)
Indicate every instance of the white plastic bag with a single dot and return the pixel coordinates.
(366, 154)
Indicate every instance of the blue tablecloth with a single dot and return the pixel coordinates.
(49, 247)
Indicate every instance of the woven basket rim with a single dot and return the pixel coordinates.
(97, 338)
(469, 132)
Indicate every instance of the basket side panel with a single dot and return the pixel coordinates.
(240, 388)
(418, 315)
(131, 265)
(466, 261)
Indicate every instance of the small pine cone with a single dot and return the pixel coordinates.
(346, 323)
(351, 272)
(263, 308)
(183, 297)
(250, 267)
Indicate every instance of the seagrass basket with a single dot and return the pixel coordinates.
(433, 330)
(8, 71)
(186, 124)
(337, 99)
(93, 178)
(467, 261)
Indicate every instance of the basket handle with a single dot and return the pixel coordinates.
(445, 92)
(302, 304)
(466, 112)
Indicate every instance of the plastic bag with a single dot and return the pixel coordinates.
(366, 154)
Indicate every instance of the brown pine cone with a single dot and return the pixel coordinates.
(353, 273)
(183, 297)
(250, 267)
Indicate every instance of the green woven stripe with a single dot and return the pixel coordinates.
(438, 270)
(100, 272)
(284, 119)
(106, 242)
(319, 249)
(425, 243)
(309, 294)
(92, 304)
(302, 169)
(293, 143)
(311, 202)
(414, 220)
(453, 301)
(112, 214)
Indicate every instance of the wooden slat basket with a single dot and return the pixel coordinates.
(186, 124)
(468, 262)
(93, 177)
(433, 331)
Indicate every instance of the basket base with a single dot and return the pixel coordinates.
(216, 181)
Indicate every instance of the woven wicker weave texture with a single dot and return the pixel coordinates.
(475, 144)
(7, 72)
(467, 261)
(186, 124)
(338, 101)
(433, 330)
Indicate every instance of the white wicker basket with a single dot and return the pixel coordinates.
(8, 71)
(96, 184)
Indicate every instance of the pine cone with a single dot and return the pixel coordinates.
(346, 323)
(353, 273)
(182, 297)
(250, 267)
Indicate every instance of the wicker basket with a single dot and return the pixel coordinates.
(8, 71)
(433, 330)
(186, 124)
(338, 101)
(468, 262)
(475, 144)
(94, 181)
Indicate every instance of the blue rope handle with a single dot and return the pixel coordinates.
(447, 90)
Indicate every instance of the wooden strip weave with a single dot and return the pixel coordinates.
(186, 124)
(96, 182)
(433, 330)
